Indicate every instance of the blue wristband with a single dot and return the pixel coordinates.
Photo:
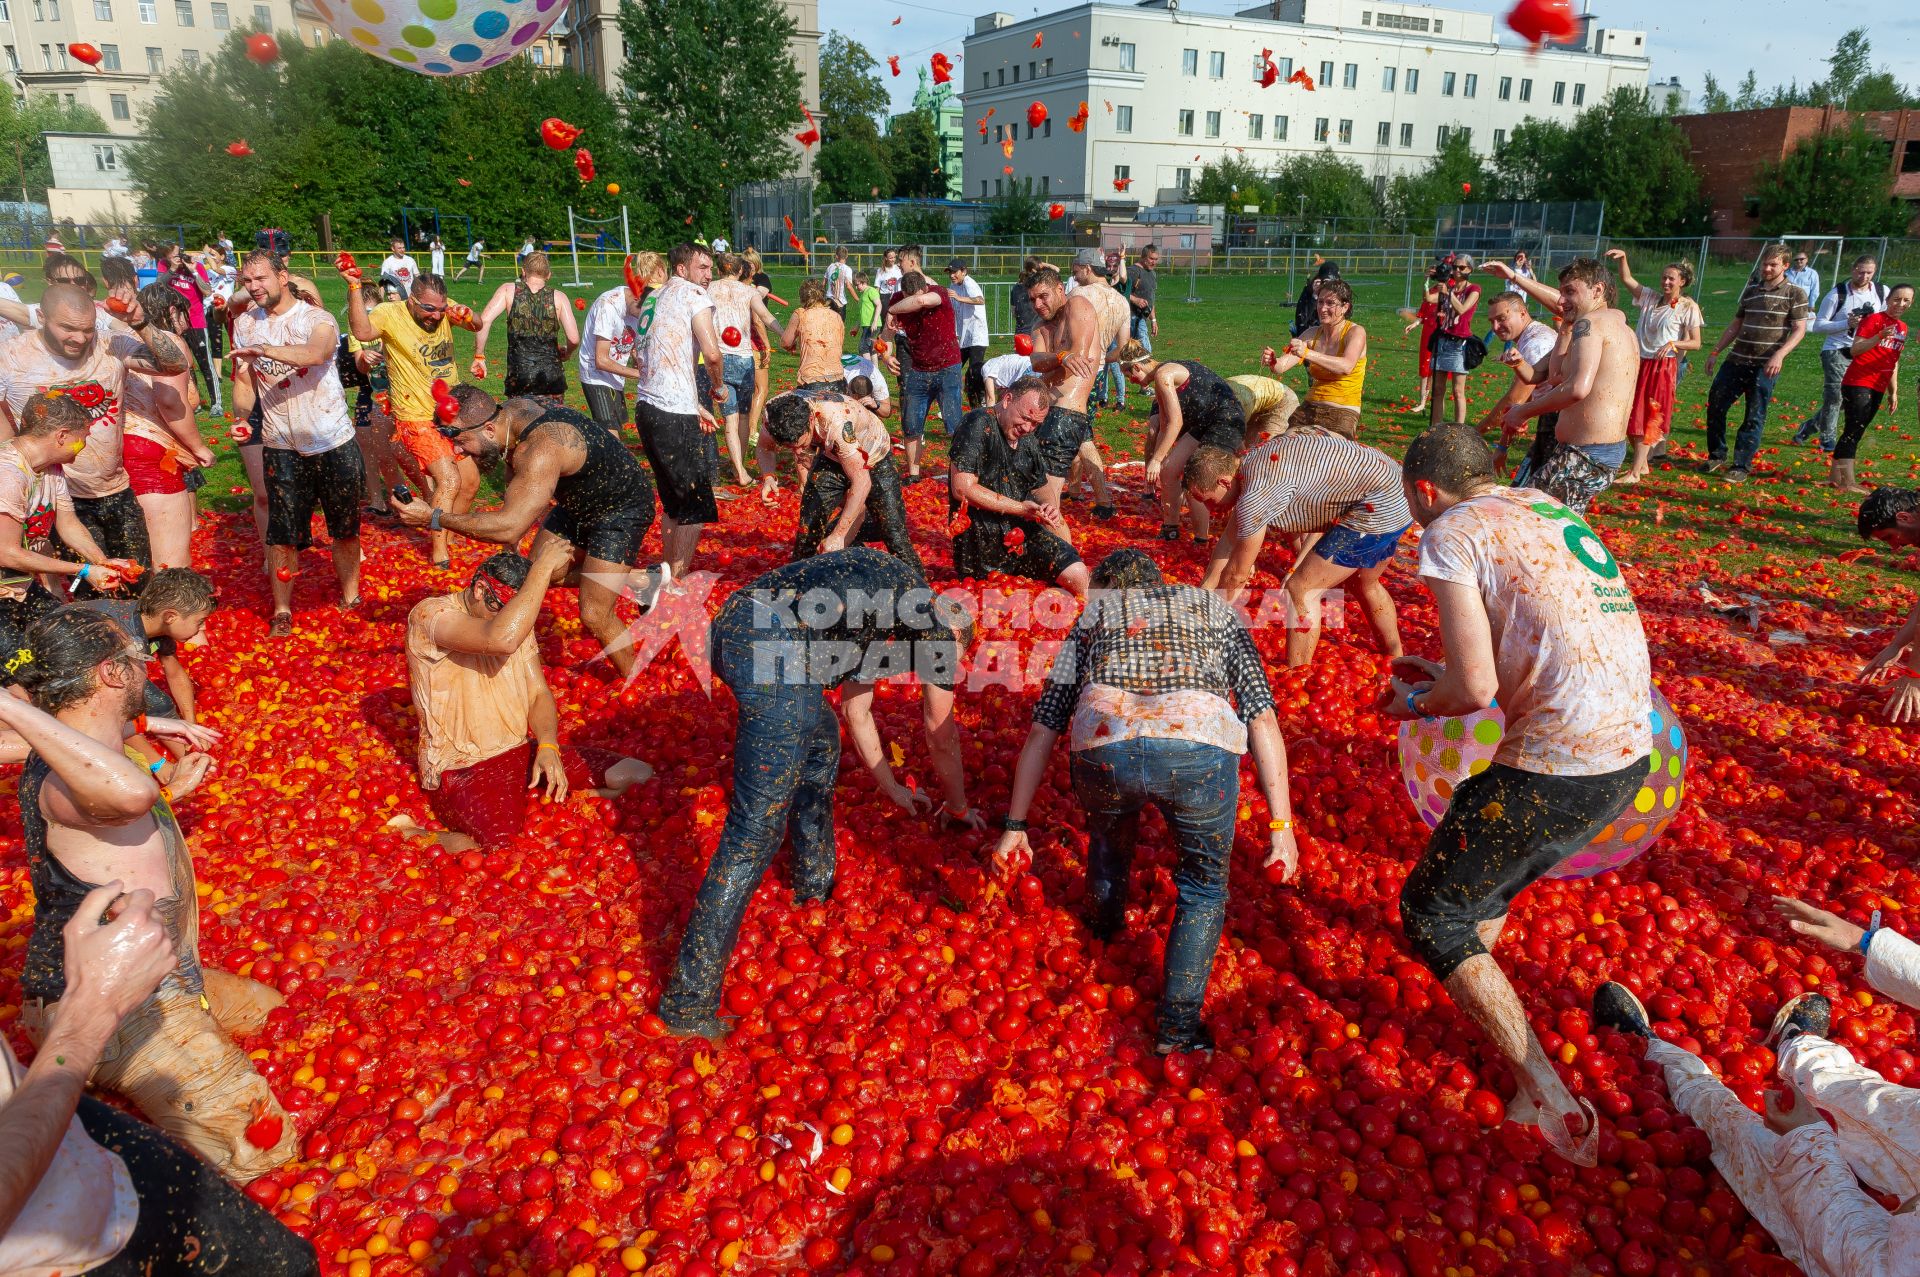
(1866, 937)
(81, 575)
(1415, 709)
(156, 765)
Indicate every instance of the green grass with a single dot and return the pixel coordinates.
(1777, 525)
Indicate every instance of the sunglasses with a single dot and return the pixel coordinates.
(454, 432)
(488, 594)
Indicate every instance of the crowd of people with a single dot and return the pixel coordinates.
(1159, 690)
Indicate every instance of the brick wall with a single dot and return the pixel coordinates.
(1729, 148)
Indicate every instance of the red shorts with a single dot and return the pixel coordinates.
(152, 467)
(488, 801)
(423, 442)
(1652, 417)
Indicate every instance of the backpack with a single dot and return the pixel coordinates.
(1841, 289)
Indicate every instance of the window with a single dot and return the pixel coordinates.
(46, 57)
(1346, 132)
(189, 57)
(5, 13)
(1389, 79)
(1471, 88)
(1033, 70)
(53, 10)
(1321, 129)
(1213, 124)
(1506, 88)
(117, 103)
(1016, 73)
(1579, 95)
(1046, 185)
(1499, 140)
(1186, 123)
(1279, 128)
(1413, 79)
(1395, 22)
(1285, 66)
(1046, 68)
(104, 160)
(983, 188)
(39, 10)
(156, 60)
(1216, 66)
(1046, 127)
(1126, 57)
(1406, 135)
(1182, 179)
(1350, 77)
(1526, 90)
(13, 59)
(1440, 137)
(69, 98)
(986, 82)
(1446, 84)
(1559, 92)
(1189, 62)
(1909, 156)
(149, 12)
(109, 57)
(221, 22)
(183, 12)
(1254, 125)
(1003, 75)
(1385, 137)
(103, 10)
(1122, 174)
(1326, 74)
(999, 186)
(1123, 119)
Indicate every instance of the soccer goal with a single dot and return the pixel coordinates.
(603, 238)
(1831, 255)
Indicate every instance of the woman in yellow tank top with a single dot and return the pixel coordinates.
(1335, 353)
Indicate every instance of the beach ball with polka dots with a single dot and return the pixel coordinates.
(1438, 754)
(441, 37)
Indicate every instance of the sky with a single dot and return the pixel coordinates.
(1782, 40)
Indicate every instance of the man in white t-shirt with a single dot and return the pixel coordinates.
(839, 276)
(674, 413)
(399, 268)
(1002, 371)
(283, 353)
(474, 261)
(854, 367)
(606, 355)
(1533, 611)
(525, 248)
(1837, 316)
(1529, 344)
(970, 320)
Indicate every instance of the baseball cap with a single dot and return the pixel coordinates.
(1090, 257)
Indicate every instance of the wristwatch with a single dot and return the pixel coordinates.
(1009, 825)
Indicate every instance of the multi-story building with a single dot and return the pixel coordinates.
(1167, 90)
(939, 102)
(1729, 149)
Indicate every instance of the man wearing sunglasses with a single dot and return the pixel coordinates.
(417, 336)
(601, 499)
(479, 693)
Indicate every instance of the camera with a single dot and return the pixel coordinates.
(1444, 270)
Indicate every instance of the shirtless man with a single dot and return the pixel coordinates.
(1069, 349)
(1090, 279)
(737, 305)
(601, 499)
(1591, 376)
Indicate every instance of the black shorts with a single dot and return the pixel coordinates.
(15, 616)
(117, 525)
(332, 480)
(982, 549)
(1061, 435)
(256, 422)
(613, 537)
(682, 457)
(606, 405)
(1504, 829)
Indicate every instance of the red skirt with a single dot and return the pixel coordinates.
(1426, 349)
(1652, 417)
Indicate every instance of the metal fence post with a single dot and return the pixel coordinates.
(1700, 273)
(1293, 247)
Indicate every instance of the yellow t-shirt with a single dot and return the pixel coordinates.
(416, 359)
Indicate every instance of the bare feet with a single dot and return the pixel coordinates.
(1629, 477)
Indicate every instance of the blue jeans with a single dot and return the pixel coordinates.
(1197, 789)
(1734, 380)
(786, 757)
(1825, 420)
(1110, 386)
(918, 392)
(1142, 327)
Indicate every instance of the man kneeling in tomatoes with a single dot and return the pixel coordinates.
(479, 692)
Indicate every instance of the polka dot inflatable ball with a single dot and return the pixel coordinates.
(1436, 755)
(441, 37)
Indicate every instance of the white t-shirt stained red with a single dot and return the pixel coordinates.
(666, 355)
(95, 381)
(607, 318)
(301, 409)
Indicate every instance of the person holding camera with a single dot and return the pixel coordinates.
(1838, 321)
(1459, 298)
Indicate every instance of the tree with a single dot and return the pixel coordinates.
(1834, 184)
(707, 113)
(1233, 181)
(1620, 151)
(26, 126)
(1847, 66)
(851, 169)
(852, 98)
(1332, 187)
(1713, 98)
(1020, 211)
(1749, 95)
(912, 153)
(1529, 164)
(1414, 199)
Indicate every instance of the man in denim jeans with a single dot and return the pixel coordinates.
(1142, 689)
(1768, 323)
(845, 619)
(923, 316)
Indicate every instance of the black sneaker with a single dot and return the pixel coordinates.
(1103, 512)
(1615, 1007)
(1713, 465)
(711, 1027)
(1808, 1013)
(1199, 1040)
(1170, 532)
(1805, 432)
(1737, 475)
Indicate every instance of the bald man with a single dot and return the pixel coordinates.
(70, 355)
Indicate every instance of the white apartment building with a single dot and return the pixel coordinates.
(1167, 90)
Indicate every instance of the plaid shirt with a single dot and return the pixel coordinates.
(1172, 638)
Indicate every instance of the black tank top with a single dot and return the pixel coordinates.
(533, 358)
(1208, 408)
(609, 484)
(57, 895)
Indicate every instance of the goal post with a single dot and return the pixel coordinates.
(595, 230)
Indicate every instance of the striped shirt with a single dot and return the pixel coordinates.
(1305, 481)
(1767, 314)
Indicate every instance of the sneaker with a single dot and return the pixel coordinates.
(1713, 465)
(1737, 475)
(1103, 512)
(1615, 1007)
(649, 595)
(1808, 1013)
(1199, 1040)
(1805, 432)
(711, 1027)
(1170, 532)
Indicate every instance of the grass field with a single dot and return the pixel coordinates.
(1731, 531)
